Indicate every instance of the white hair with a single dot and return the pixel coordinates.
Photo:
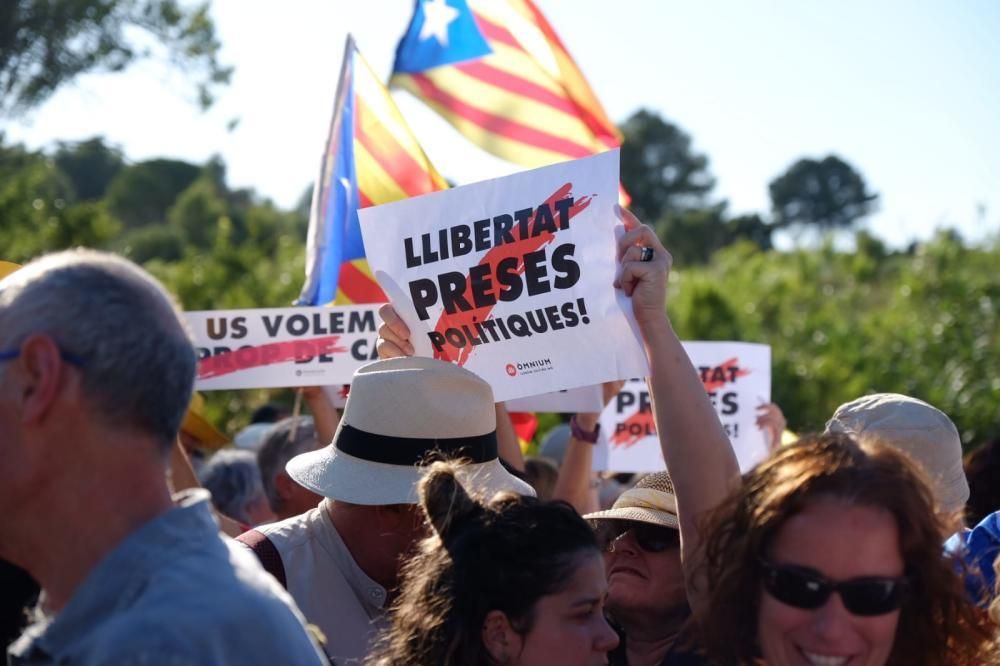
(135, 354)
(231, 475)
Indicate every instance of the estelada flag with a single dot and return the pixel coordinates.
(497, 71)
(371, 158)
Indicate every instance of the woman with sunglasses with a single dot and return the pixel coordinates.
(647, 601)
(829, 554)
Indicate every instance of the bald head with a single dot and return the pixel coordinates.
(118, 324)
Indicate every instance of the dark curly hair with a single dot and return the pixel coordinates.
(937, 623)
(502, 554)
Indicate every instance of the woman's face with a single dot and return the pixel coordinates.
(839, 542)
(569, 626)
(644, 582)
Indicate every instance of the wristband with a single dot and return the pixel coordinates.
(581, 434)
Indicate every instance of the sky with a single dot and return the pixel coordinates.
(908, 92)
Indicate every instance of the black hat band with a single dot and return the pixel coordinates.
(414, 450)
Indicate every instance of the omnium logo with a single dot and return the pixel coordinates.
(529, 367)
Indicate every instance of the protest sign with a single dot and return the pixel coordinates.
(571, 401)
(512, 277)
(737, 377)
(273, 347)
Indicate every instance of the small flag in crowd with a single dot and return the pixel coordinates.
(371, 158)
(497, 71)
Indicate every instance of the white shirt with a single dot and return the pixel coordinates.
(327, 584)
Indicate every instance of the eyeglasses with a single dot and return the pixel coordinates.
(11, 354)
(808, 589)
(650, 538)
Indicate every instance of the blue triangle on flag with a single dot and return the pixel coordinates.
(441, 32)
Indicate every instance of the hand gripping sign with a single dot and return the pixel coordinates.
(512, 277)
(737, 377)
(274, 347)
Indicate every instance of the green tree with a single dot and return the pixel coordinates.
(197, 213)
(160, 241)
(751, 228)
(46, 43)
(37, 208)
(843, 324)
(142, 193)
(824, 194)
(90, 166)
(660, 169)
(694, 236)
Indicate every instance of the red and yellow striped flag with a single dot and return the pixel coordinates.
(371, 158)
(497, 71)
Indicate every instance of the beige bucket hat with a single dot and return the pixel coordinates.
(651, 501)
(399, 414)
(917, 429)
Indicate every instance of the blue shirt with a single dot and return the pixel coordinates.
(978, 548)
(173, 592)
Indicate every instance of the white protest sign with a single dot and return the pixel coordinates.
(512, 277)
(274, 347)
(737, 377)
(571, 401)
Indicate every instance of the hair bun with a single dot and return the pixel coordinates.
(445, 500)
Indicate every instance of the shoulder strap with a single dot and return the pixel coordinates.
(266, 552)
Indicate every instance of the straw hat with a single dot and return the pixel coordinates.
(7, 267)
(400, 411)
(650, 501)
(917, 429)
(196, 425)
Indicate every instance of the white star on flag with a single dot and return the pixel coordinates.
(437, 17)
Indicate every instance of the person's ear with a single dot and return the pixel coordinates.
(283, 485)
(41, 373)
(499, 638)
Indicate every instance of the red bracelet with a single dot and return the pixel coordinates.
(581, 434)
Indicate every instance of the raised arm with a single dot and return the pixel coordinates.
(576, 482)
(695, 447)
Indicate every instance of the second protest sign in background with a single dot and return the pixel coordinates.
(274, 347)
(512, 278)
(737, 378)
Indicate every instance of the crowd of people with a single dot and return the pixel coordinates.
(409, 529)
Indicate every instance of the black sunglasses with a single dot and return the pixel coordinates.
(806, 588)
(650, 538)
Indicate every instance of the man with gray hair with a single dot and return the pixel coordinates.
(342, 560)
(285, 440)
(233, 478)
(96, 371)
